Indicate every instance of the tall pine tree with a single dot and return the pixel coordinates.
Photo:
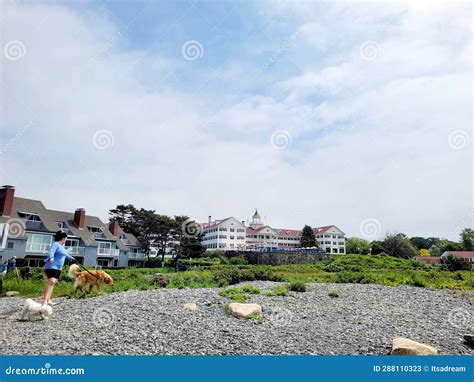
(308, 239)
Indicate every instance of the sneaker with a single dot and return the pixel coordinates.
(50, 303)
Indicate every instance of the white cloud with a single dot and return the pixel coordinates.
(369, 138)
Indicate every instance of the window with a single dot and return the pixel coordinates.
(232, 237)
(10, 245)
(328, 250)
(334, 250)
(341, 250)
(103, 262)
(71, 243)
(105, 248)
(232, 230)
(32, 217)
(341, 243)
(38, 243)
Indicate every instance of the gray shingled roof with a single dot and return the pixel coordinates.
(50, 217)
(132, 240)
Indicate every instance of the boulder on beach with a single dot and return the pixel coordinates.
(244, 310)
(405, 346)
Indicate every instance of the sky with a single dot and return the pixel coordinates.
(357, 114)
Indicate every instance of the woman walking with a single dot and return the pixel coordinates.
(54, 264)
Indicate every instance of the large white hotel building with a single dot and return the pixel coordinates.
(232, 234)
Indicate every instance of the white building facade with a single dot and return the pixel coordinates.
(232, 234)
(227, 233)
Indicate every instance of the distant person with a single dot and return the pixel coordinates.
(12, 263)
(3, 269)
(54, 264)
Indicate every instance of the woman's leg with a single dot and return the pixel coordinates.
(48, 289)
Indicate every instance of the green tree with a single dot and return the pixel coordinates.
(467, 239)
(189, 236)
(420, 242)
(357, 245)
(125, 215)
(308, 238)
(398, 245)
(377, 248)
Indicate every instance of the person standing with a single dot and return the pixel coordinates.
(54, 263)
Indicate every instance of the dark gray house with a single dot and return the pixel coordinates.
(27, 228)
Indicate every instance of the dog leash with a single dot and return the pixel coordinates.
(84, 268)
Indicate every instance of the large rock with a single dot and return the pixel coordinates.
(12, 293)
(244, 310)
(192, 307)
(405, 346)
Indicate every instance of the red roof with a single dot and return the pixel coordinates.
(463, 254)
(288, 232)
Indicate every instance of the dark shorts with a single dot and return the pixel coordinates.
(52, 273)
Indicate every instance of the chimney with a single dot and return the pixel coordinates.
(80, 217)
(209, 220)
(243, 223)
(114, 227)
(6, 200)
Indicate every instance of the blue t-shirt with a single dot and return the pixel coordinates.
(12, 263)
(59, 255)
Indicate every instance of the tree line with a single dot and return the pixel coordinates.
(400, 245)
(178, 235)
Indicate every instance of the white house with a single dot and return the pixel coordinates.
(331, 239)
(227, 233)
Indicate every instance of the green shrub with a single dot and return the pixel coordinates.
(278, 290)
(333, 293)
(237, 260)
(297, 286)
(418, 280)
(160, 280)
(236, 294)
(250, 289)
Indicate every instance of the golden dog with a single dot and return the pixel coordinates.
(83, 278)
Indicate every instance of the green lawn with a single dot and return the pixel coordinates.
(338, 269)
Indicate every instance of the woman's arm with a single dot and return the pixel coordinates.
(51, 252)
(65, 253)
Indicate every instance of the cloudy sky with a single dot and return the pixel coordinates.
(354, 114)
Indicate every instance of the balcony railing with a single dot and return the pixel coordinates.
(37, 248)
(135, 255)
(107, 252)
(75, 250)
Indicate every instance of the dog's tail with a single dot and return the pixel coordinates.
(73, 271)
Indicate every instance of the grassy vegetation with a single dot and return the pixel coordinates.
(279, 290)
(333, 293)
(363, 269)
(297, 286)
